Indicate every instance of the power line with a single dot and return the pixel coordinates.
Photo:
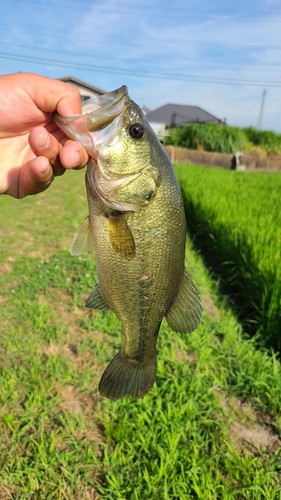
(151, 42)
(148, 63)
(174, 12)
(144, 74)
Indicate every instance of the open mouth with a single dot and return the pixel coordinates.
(100, 121)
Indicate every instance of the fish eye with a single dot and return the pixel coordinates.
(136, 131)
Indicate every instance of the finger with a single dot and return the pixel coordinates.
(73, 155)
(61, 155)
(36, 177)
(50, 95)
(44, 144)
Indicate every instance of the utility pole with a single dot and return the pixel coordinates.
(259, 122)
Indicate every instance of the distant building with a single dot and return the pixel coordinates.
(86, 90)
(174, 115)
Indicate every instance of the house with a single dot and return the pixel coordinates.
(86, 90)
(173, 115)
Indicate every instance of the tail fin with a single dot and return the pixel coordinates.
(127, 377)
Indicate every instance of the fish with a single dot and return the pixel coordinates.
(137, 228)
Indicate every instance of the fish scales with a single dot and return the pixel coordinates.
(137, 223)
(121, 282)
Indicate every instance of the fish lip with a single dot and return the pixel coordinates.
(105, 101)
(101, 108)
(97, 114)
(101, 111)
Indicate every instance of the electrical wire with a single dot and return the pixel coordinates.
(176, 12)
(143, 74)
(165, 63)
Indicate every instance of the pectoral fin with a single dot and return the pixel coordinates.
(186, 311)
(121, 238)
(83, 239)
(96, 301)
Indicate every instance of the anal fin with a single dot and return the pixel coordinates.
(96, 301)
(186, 312)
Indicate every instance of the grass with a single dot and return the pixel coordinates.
(210, 427)
(236, 220)
(208, 137)
(225, 139)
(267, 141)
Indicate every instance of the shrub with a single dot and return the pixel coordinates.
(208, 136)
(224, 139)
(269, 141)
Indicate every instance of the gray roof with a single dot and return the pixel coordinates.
(178, 114)
(72, 79)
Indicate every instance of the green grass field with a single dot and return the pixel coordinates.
(235, 218)
(210, 427)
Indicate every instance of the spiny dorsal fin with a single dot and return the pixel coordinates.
(83, 239)
(121, 238)
(96, 301)
(186, 311)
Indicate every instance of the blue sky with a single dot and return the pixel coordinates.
(218, 55)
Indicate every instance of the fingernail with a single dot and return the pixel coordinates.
(45, 142)
(46, 170)
(76, 161)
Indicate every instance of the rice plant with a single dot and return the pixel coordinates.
(236, 220)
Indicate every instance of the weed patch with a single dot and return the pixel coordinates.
(208, 429)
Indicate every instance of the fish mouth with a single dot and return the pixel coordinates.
(95, 125)
(100, 125)
(101, 111)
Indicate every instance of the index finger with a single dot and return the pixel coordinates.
(52, 95)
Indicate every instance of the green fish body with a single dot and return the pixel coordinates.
(137, 226)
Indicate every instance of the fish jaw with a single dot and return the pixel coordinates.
(74, 128)
(93, 126)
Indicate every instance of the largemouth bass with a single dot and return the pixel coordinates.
(137, 227)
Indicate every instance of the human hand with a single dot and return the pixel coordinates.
(32, 148)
